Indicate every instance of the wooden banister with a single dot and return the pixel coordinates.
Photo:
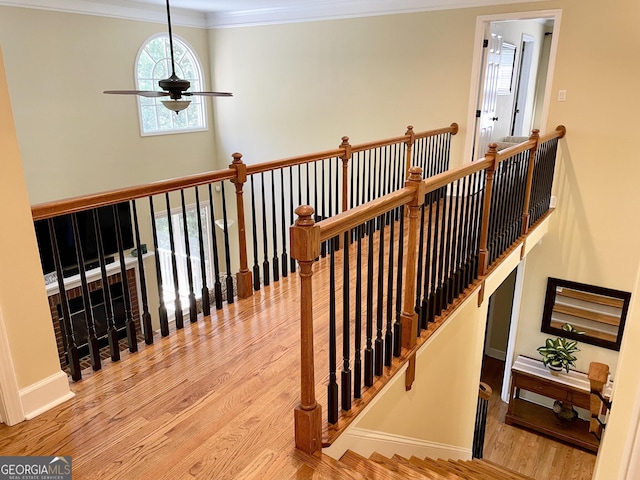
(535, 137)
(598, 377)
(483, 262)
(409, 317)
(244, 276)
(411, 139)
(305, 248)
(111, 197)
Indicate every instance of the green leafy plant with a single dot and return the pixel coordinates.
(557, 354)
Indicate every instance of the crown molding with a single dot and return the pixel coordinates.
(316, 10)
(128, 10)
(294, 12)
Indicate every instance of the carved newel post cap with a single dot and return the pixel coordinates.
(237, 157)
(493, 148)
(415, 174)
(409, 130)
(305, 215)
(345, 140)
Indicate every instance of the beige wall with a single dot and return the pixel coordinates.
(441, 406)
(299, 88)
(74, 139)
(22, 302)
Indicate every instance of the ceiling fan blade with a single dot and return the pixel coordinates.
(209, 94)
(142, 93)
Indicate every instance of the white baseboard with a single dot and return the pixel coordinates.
(365, 442)
(45, 394)
(494, 353)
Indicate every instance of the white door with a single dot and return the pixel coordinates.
(520, 127)
(488, 95)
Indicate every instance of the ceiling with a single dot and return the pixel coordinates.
(233, 13)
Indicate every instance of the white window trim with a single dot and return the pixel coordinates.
(198, 65)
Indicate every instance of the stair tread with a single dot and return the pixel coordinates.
(396, 466)
(322, 466)
(369, 468)
(421, 469)
(433, 465)
(507, 473)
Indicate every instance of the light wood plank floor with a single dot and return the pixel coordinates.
(216, 400)
(527, 452)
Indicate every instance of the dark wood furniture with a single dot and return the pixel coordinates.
(572, 389)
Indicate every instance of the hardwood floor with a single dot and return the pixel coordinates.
(523, 451)
(215, 401)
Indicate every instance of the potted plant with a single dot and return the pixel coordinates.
(557, 354)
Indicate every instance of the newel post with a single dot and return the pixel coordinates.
(598, 377)
(244, 275)
(305, 248)
(535, 136)
(409, 317)
(483, 258)
(410, 141)
(346, 156)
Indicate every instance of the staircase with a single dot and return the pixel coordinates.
(378, 467)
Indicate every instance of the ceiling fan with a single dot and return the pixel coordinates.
(173, 87)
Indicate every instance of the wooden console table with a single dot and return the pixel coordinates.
(572, 389)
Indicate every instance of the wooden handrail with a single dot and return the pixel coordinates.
(598, 377)
(559, 132)
(112, 197)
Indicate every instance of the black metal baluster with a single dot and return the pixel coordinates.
(217, 286)
(227, 254)
(174, 266)
(256, 266)
(206, 302)
(132, 336)
(346, 326)
(147, 328)
(292, 265)
(388, 338)
(357, 363)
(284, 259)
(274, 229)
(265, 247)
(112, 332)
(368, 352)
(447, 251)
(379, 344)
(436, 256)
(419, 273)
(307, 183)
(455, 252)
(332, 387)
(323, 246)
(92, 340)
(162, 309)
(73, 358)
(193, 309)
(376, 185)
(428, 267)
(397, 326)
(464, 233)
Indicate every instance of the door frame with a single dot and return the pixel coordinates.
(482, 22)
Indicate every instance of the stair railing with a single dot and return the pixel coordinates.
(460, 224)
(193, 219)
(599, 404)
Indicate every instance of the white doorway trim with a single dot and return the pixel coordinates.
(476, 66)
(513, 330)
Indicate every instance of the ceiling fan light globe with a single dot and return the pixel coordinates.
(176, 105)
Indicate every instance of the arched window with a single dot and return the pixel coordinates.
(154, 64)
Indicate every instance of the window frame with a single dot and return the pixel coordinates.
(195, 100)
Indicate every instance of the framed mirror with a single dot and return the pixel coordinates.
(597, 311)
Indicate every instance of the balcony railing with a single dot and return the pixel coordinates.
(196, 224)
(416, 251)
